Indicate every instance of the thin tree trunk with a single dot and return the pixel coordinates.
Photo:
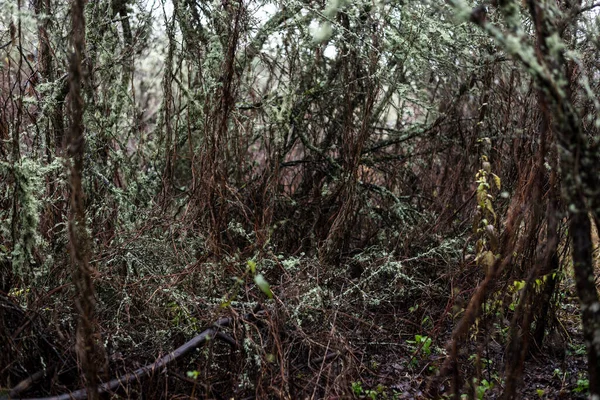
(89, 347)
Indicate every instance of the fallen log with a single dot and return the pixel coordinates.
(111, 386)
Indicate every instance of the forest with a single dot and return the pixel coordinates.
(299, 199)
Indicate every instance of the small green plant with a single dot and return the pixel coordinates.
(578, 349)
(426, 322)
(193, 375)
(558, 373)
(583, 385)
(485, 362)
(485, 218)
(373, 394)
(482, 387)
(422, 347)
(374, 365)
(180, 316)
(422, 342)
(515, 289)
(357, 388)
(259, 280)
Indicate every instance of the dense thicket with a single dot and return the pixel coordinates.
(355, 198)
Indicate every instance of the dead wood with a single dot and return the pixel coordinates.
(145, 371)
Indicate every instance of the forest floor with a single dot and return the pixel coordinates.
(372, 329)
(556, 371)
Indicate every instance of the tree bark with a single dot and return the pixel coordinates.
(89, 348)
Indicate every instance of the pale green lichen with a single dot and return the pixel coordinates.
(29, 184)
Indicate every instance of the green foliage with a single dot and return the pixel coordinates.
(263, 285)
(486, 221)
(578, 349)
(422, 346)
(583, 385)
(193, 375)
(181, 317)
(357, 388)
(29, 179)
(481, 388)
(422, 342)
(325, 148)
(372, 394)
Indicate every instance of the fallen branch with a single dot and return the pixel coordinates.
(147, 370)
(26, 384)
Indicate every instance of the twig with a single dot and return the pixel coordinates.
(327, 357)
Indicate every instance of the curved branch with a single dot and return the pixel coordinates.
(147, 370)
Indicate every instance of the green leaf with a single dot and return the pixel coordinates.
(226, 304)
(252, 265)
(263, 285)
(193, 374)
(497, 181)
